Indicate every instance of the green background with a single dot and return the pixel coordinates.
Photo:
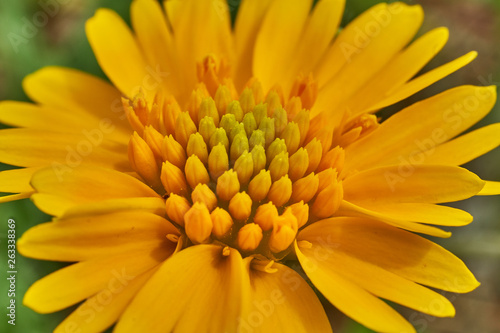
(473, 24)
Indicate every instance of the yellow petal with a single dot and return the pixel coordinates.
(350, 298)
(85, 238)
(14, 197)
(52, 204)
(403, 253)
(425, 184)
(364, 47)
(91, 184)
(490, 188)
(424, 81)
(172, 10)
(201, 28)
(22, 114)
(465, 148)
(100, 311)
(57, 291)
(424, 213)
(248, 22)
(156, 41)
(420, 127)
(282, 299)
(152, 205)
(382, 283)
(354, 40)
(152, 31)
(118, 53)
(186, 285)
(397, 72)
(79, 92)
(349, 209)
(284, 18)
(17, 180)
(85, 185)
(62, 151)
(318, 32)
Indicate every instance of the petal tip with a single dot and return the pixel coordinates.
(33, 80)
(29, 79)
(20, 245)
(466, 283)
(444, 32)
(32, 302)
(100, 14)
(445, 234)
(472, 55)
(452, 311)
(492, 89)
(474, 285)
(416, 9)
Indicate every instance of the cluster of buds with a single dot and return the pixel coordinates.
(246, 170)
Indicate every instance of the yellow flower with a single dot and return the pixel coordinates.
(224, 161)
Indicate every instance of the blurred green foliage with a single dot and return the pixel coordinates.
(62, 42)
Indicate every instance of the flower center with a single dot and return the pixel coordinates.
(247, 170)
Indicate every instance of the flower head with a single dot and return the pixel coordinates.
(225, 161)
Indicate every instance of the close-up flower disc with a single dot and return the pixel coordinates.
(234, 176)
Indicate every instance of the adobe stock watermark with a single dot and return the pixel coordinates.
(421, 320)
(11, 272)
(488, 81)
(88, 311)
(95, 137)
(31, 25)
(75, 154)
(149, 84)
(363, 36)
(453, 117)
(291, 281)
(263, 309)
(151, 81)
